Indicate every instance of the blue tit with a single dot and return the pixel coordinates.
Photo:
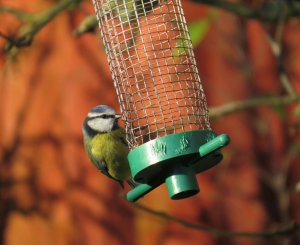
(105, 144)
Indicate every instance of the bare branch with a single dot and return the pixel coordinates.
(236, 8)
(46, 16)
(270, 11)
(19, 14)
(236, 106)
(34, 23)
(88, 24)
(276, 47)
(284, 230)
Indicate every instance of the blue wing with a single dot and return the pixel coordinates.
(101, 165)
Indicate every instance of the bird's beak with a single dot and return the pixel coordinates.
(117, 116)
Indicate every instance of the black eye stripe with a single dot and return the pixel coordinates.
(104, 116)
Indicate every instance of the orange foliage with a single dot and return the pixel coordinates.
(51, 194)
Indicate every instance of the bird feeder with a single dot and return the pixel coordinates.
(152, 62)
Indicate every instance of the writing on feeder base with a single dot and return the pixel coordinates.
(184, 144)
(159, 148)
(181, 168)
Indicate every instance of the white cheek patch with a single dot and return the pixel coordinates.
(101, 125)
(95, 124)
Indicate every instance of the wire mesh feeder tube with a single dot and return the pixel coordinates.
(160, 93)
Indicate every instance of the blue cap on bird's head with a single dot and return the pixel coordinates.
(101, 109)
(101, 119)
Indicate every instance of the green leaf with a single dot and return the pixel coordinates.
(198, 30)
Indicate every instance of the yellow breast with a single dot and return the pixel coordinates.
(112, 149)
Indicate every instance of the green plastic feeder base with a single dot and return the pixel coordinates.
(174, 159)
(182, 182)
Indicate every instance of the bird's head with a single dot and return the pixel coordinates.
(101, 119)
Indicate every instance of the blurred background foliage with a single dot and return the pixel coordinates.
(53, 72)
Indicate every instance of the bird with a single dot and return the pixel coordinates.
(105, 144)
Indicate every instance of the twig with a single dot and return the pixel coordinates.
(35, 22)
(239, 9)
(284, 230)
(88, 24)
(276, 180)
(269, 11)
(19, 14)
(276, 46)
(46, 16)
(236, 106)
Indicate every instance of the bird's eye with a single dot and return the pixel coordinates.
(107, 116)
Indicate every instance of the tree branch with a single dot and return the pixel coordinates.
(284, 230)
(34, 23)
(236, 106)
(270, 11)
(88, 24)
(19, 14)
(239, 9)
(276, 47)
